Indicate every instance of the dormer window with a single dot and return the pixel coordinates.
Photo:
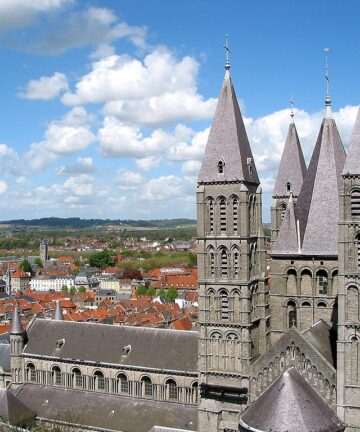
(60, 343)
(220, 166)
(126, 350)
(249, 164)
(288, 187)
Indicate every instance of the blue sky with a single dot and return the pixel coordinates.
(106, 105)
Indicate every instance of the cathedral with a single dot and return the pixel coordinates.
(277, 347)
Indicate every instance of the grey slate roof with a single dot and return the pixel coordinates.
(323, 339)
(317, 207)
(5, 357)
(16, 327)
(292, 166)
(58, 313)
(287, 241)
(352, 163)
(290, 404)
(228, 142)
(150, 348)
(104, 411)
(12, 410)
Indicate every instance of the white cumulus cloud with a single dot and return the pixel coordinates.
(45, 88)
(3, 187)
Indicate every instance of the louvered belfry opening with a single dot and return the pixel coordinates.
(222, 216)
(235, 215)
(355, 203)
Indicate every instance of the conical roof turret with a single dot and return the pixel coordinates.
(287, 241)
(16, 327)
(228, 155)
(292, 168)
(58, 314)
(352, 163)
(317, 207)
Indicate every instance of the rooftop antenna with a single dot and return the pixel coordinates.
(227, 49)
(327, 80)
(292, 105)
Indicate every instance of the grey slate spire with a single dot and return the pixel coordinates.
(292, 166)
(287, 241)
(352, 163)
(228, 144)
(58, 314)
(16, 327)
(317, 207)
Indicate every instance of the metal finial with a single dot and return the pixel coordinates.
(327, 99)
(227, 49)
(292, 105)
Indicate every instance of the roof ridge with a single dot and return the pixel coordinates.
(352, 162)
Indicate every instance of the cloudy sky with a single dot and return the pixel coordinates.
(106, 105)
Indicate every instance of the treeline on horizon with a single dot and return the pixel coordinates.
(75, 222)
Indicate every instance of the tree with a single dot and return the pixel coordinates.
(102, 259)
(130, 273)
(38, 262)
(25, 265)
(141, 290)
(65, 289)
(151, 292)
(81, 289)
(171, 293)
(72, 290)
(161, 292)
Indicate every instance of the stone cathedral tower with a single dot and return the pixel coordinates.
(233, 294)
(348, 346)
(289, 179)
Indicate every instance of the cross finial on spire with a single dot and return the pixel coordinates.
(327, 99)
(227, 49)
(292, 105)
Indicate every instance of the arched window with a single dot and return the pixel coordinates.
(282, 209)
(357, 250)
(321, 305)
(236, 262)
(211, 215)
(147, 386)
(99, 380)
(221, 166)
(56, 375)
(288, 187)
(352, 304)
(211, 262)
(172, 389)
(322, 282)
(305, 304)
(123, 383)
(224, 262)
(355, 203)
(76, 378)
(222, 216)
(291, 282)
(334, 282)
(224, 305)
(292, 316)
(235, 215)
(194, 392)
(306, 283)
(31, 372)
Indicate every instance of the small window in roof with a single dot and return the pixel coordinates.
(221, 165)
(288, 187)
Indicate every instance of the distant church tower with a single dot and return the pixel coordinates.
(233, 295)
(289, 179)
(17, 343)
(348, 346)
(44, 245)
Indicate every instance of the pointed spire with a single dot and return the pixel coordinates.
(328, 112)
(58, 314)
(228, 155)
(352, 163)
(292, 168)
(16, 327)
(317, 207)
(292, 105)
(287, 241)
(227, 49)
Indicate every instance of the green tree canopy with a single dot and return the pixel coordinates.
(161, 292)
(151, 291)
(25, 265)
(141, 290)
(81, 289)
(171, 293)
(65, 289)
(102, 259)
(38, 262)
(72, 290)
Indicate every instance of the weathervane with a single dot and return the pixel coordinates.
(227, 49)
(292, 105)
(327, 100)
